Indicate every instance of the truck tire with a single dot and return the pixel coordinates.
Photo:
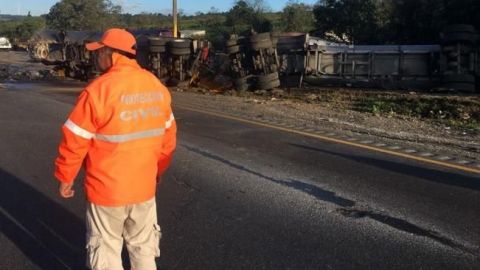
(263, 79)
(157, 41)
(232, 42)
(242, 84)
(179, 51)
(459, 33)
(179, 43)
(157, 49)
(233, 49)
(287, 45)
(260, 37)
(459, 37)
(463, 78)
(459, 82)
(463, 87)
(459, 28)
(265, 44)
(269, 85)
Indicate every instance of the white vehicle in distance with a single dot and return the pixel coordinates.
(5, 44)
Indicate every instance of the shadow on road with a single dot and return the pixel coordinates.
(49, 235)
(432, 175)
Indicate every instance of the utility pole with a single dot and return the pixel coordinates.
(175, 20)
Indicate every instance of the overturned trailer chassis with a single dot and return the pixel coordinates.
(452, 65)
(410, 66)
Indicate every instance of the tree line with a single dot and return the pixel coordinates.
(393, 21)
(351, 21)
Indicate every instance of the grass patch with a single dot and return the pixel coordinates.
(453, 112)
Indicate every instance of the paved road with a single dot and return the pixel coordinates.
(243, 197)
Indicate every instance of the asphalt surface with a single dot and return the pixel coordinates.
(240, 196)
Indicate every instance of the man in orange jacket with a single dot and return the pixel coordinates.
(123, 130)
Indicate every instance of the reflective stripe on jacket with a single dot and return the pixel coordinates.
(123, 130)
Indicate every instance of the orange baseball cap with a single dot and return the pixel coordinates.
(115, 38)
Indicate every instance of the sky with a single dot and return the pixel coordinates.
(38, 7)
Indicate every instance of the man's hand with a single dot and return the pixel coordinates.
(66, 190)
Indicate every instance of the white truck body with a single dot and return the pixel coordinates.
(5, 44)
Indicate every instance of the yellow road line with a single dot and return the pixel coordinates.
(371, 148)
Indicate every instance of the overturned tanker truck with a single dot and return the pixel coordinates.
(157, 51)
(267, 60)
(270, 60)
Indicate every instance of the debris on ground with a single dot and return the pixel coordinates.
(16, 66)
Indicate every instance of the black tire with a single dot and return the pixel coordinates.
(233, 49)
(453, 64)
(242, 87)
(300, 40)
(459, 28)
(267, 78)
(289, 45)
(274, 41)
(454, 49)
(447, 49)
(232, 42)
(459, 78)
(266, 44)
(157, 41)
(241, 84)
(179, 43)
(283, 48)
(156, 65)
(243, 80)
(274, 68)
(179, 51)
(260, 37)
(453, 54)
(157, 49)
(464, 87)
(269, 85)
(459, 37)
(478, 84)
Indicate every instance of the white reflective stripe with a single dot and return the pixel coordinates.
(118, 138)
(78, 130)
(131, 136)
(170, 121)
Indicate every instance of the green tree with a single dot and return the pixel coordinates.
(421, 21)
(83, 15)
(21, 27)
(394, 21)
(28, 27)
(462, 11)
(248, 15)
(297, 17)
(258, 6)
(355, 19)
(214, 23)
(145, 20)
(418, 21)
(240, 17)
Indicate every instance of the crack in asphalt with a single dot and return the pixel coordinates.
(405, 226)
(310, 189)
(349, 211)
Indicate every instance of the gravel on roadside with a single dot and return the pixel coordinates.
(407, 132)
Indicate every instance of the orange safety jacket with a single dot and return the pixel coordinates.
(123, 130)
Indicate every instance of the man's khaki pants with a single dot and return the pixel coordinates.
(107, 227)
